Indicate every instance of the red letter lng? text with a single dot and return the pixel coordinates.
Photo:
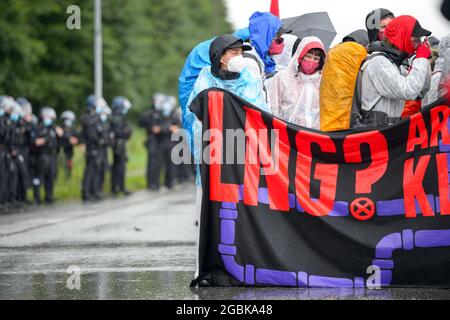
(275, 168)
(326, 173)
(220, 192)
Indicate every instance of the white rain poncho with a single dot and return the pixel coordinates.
(282, 60)
(444, 63)
(444, 49)
(294, 96)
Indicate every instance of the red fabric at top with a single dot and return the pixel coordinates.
(274, 8)
(399, 32)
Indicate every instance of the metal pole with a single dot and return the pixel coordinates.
(98, 64)
(214, 18)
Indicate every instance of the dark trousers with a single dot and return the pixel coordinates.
(159, 158)
(90, 178)
(103, 169)
(3, 177)
(13, 178)
(118, 173)
(46, 177)
(23, 183)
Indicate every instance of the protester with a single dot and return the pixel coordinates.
(376, 22)
(197, 59)
(286, 51)
(265, 36)
(226, 72)
(444, 53)
(359, 36)
(439, 65)
(294, 92)
(386, 86)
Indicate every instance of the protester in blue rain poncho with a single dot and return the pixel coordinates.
(228, 71)
(195, 62)
(264, 28)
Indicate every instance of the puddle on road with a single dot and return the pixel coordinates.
(156, 285)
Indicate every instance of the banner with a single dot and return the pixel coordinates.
(294, 207)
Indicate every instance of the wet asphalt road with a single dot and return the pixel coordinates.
(140, 247)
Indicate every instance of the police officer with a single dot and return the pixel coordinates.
(69, 139)
(91, 137)
(184, 171)
(121, 133)
(4, 137)
(47, 136)
(13, 112)
(104, 143)
(33, 165)
(160, 123)
(26, 136)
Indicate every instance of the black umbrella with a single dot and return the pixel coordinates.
(316, 24)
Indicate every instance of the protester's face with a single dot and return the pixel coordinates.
(230, 53)
(384, 23)
(416, 42)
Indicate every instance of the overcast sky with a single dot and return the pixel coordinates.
(346, 15)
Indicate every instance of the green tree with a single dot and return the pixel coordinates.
(145, 44)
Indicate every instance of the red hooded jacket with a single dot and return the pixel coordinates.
(399, 32)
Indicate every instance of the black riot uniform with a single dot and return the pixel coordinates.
(47, 161)
(26, 135)
(104, 142)
(120, 132)
(159, 146)
(91, 136)
(12, 152)
(67, 147)
(4, 136)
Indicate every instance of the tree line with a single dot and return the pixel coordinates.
(145, 43)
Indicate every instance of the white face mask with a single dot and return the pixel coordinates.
(236, 64)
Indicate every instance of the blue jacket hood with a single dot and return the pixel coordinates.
(263, 28)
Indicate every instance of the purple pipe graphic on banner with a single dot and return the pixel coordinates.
(405, 240)
(385, 248)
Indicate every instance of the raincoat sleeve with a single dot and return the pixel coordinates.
(433, 94)
(195, 62)
(427, 86)
(250, 89)
(391, 84)
(445, 73)
(190, 121)
(274, 94)
(193, 125)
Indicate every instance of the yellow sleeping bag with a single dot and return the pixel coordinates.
(338, 85)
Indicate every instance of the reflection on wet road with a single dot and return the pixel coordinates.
(141, 247)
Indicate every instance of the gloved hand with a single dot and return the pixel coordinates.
(423, 51)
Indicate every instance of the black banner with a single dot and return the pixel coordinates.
(305, 208)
